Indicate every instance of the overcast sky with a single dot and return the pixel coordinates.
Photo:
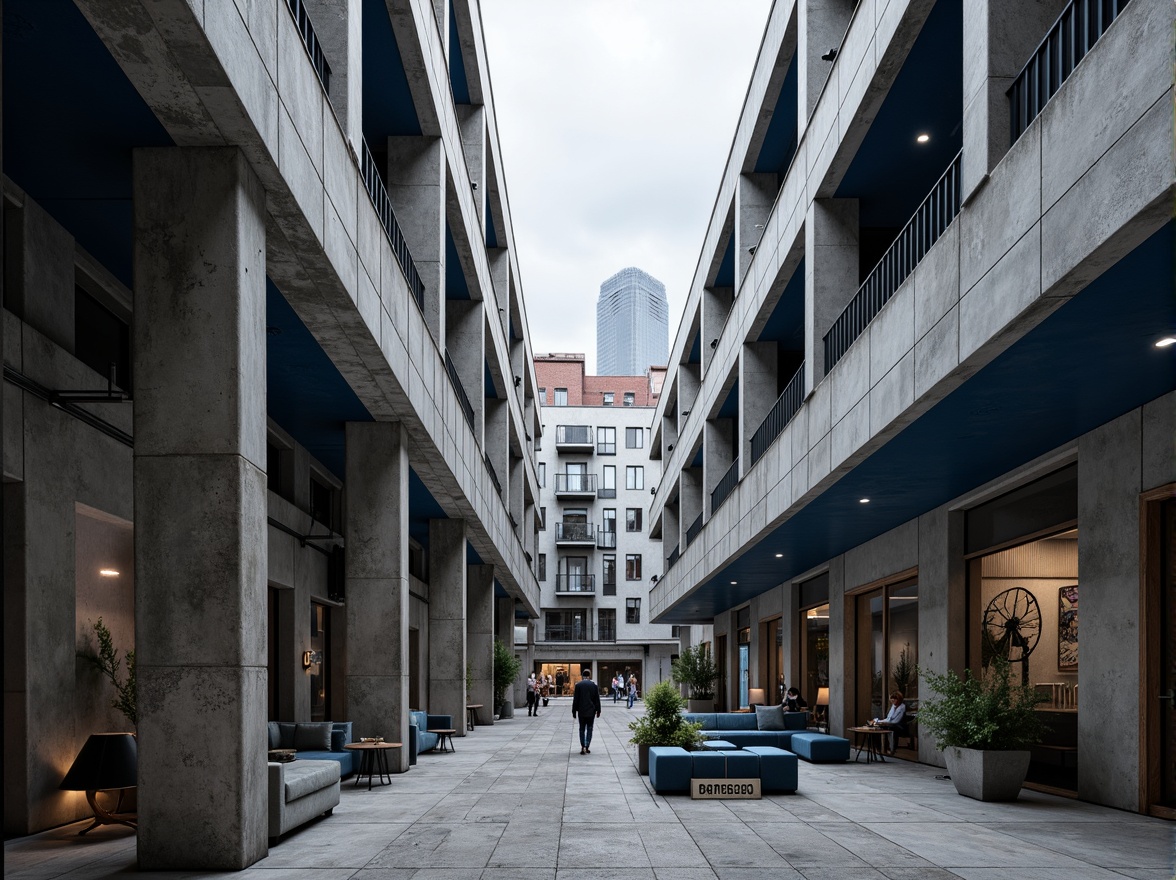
(615, 119)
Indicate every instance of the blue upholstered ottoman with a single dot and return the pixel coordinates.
(669, 769)
(709, 765)
(820, 747)
(777, 768)
(717, 745)
(741, 765)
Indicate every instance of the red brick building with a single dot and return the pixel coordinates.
(564, 374)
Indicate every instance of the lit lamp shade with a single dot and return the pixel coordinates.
(822, 696)
(757, 696)
(107, 761)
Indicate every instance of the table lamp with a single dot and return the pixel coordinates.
(107, 762)
(756, 697)
(823, 704)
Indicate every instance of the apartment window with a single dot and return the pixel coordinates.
(607, 624)
(608, 398)
(628, 398)
(102, 340)
(561, 397)
(606, 441)
(609, 578)
(322, 502)
(632, 519)
(634, 477)
(608, 482)
(609, 524)
(633, 567)
(632, 611)
(542, 396)
(542, 475)
(542, 572)
(542, 519)
(279, 469)
(634, 438)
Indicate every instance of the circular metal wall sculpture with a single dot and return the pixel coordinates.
(1012, 628)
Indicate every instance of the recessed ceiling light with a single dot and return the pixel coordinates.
(1166, 341)
(779, 555)
(923, 138)
(733, 583)
(108, 572)
(863, 501)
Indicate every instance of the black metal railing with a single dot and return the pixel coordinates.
(575, 583)
(573, 435)
(310, 40)
(922, 231)
(606, 540)
(583, 533)
(786, 406)
(1069, 39)
(493, 474)
(692, 532)
(564, 632)
(378, 193)
(462, 397)
(575, 483)
(675, 554)
(728, 482)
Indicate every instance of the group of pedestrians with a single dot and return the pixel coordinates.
(627, 688)
(538, 688)
(585, 700)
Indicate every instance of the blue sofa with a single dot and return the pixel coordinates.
(420, 740)
(285, 735)
(740, 728)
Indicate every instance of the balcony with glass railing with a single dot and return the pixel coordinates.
(575, 534)
(565, 632)
(574, 438)
(575, 585)
(575, 485)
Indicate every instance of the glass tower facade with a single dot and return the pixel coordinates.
(632, 324)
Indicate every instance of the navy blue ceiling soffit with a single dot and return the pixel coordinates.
(306, 395)
(730, 407)
(490, 391)
(500, 591)
(455, 281)
(71, 119)
(779, 144)
(695, 356)
(388, 109)
(725, 277)
(491, 231)
(1091, 361)
(457, 69)
(785, 325)
(891, 173)
(696, 462)
(422, 507)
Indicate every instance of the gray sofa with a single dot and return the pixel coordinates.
(744, 728)
(299, 791)
(316, 741)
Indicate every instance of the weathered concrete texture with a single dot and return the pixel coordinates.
(416, 188)
(480, 638)
(376, 559)
(447, 619)
(830, 275)
(942, 594)
(200, 505)
(1159, 442)
(338, 26)
(1109, 483)
(757, 383)
(39, 272)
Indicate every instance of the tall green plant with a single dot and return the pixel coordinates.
(663, 723)
(904, 671)
(107, 662)
(696, 669)
(506, 670)
(981, 712)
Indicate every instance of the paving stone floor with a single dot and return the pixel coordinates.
(517, 801)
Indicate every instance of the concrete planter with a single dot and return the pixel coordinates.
(700, 707)
(987, 775)
(506, 710)
(643, 760)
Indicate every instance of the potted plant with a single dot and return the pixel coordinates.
(506, 670)
(107, 662)
(985, 726)
(662, 724)
(697, 671)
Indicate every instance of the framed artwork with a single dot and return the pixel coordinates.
(1068, 628)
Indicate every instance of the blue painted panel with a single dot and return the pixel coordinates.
(388, 109)
(455, 282)
(490, 391)
(785, 325)
(457, 69)
(725, 277)
(780, 140)
(730, 407)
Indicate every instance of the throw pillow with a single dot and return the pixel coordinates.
(275, 735)
(313, 737)
(286, 734)
(769, 717)
(338, 740)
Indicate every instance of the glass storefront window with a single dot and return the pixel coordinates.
(814, 656)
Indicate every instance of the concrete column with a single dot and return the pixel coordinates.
(472, 118)
(497, 441)
(754, 194)
(504, 621)
(465, 340)
(200, 508)
(841, 650)
(692, 499)
(718, 437)
(39, 272)
(338, 24)
(669, 436)
(999, 36)
(499, 259)
(757, 393)
(416, 188)
(821, 26)
(447, 620)
(515, 493)
(689, 380)
(716, 305)
(671, 529)
(830, 276)
(480, 638)
(376, 560)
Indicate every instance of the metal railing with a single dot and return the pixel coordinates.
(575, 483)
(1069, 39)
(922, 231)
(675, 554)
(786, 406)
(573, 435)
(727, 483)
(575, 583)
(572, 633)
(692, 532)
(606, 540)
(310, 40)
(493, 473)
(584, 533)
(378, 193)
(462, 397)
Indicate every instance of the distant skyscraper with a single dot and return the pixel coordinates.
(632, 324)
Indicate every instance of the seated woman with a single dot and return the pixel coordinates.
(895, 720)
(793, 701)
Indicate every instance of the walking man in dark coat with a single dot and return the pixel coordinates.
(586, 707)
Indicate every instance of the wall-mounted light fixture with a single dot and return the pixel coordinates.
(653, 490)
(751, 250)
(653, 578)
(714, 344)
(670, 448)
(830, 55)
(311, 658)
(685, 412)
(518, 381)
(108, 572)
